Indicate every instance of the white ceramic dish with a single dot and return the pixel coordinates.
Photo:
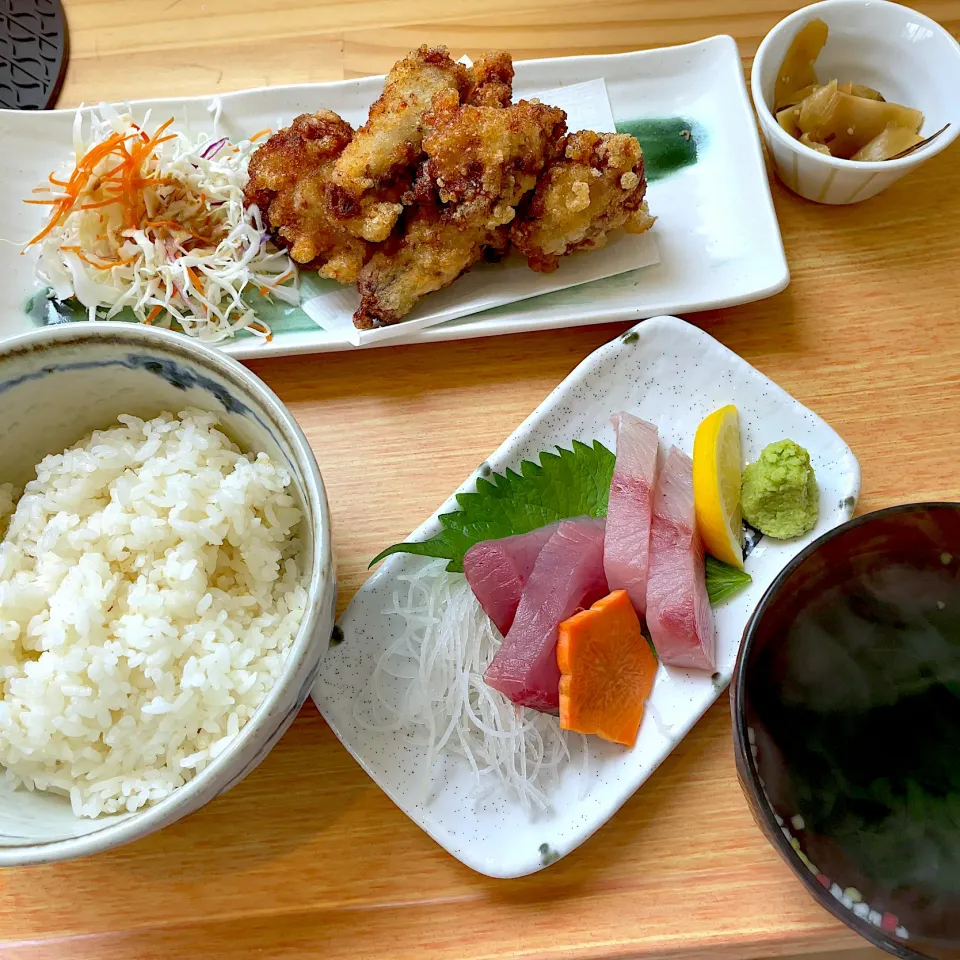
(908, 57)
(59, 384)
(650, 371)
(718, 237)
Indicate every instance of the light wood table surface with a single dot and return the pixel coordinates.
(307, 857)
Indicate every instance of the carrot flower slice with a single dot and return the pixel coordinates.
(606, 670)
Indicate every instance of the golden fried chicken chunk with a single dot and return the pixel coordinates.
(481, 161)
(596, 186)
(488, 152)
(378, 164)
(288, 180)
(492, 77)
(436, 247)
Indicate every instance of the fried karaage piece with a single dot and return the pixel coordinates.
(435, 249)
(289, 176)
(596, 186)
(490, 153)
(379, 163)
(492, 76)
(481, 161)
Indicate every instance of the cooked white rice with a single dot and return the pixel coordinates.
(149, 594)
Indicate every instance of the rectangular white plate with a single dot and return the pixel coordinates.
(717, 232)
(672, 374)
(489, 285)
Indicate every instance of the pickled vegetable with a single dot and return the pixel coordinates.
(817, 110)
(859, 90)
(813, 145)
(847, 120)
(787, 118)
(889, 143)
(801, 95)
(797, 69)
(846, 123)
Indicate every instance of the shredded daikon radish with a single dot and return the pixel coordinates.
(156, 222)
(429, 684)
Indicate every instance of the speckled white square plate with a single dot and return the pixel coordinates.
(672, 374)
(717, 233)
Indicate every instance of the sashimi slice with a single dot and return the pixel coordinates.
(498, 570)
(568, 575)
(678, 610)
(626, 545)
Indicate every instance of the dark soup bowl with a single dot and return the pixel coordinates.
(846, 710)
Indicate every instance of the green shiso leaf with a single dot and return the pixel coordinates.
(568, 483)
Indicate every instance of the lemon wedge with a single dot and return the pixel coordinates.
(716, 485)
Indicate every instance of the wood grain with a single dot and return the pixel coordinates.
(307, 857)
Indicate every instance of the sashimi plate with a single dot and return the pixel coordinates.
(672, 374)
(717, 235)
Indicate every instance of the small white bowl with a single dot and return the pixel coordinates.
(908, 57)
(58, 384)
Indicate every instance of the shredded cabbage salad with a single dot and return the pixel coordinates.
(429, 684)
(156, 222)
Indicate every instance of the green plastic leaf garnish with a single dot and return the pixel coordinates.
(723, 580)
(568, 483)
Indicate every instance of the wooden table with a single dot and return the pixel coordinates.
(307, 857)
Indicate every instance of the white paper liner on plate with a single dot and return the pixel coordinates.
(491, 285)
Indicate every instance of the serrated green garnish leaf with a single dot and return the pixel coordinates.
(568, 483)
(723, 580)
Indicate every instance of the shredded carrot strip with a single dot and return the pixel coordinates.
(286, 275)
(84, 257)
(169, 224)
(173, 225)
(102, 203)
(260, 133)
(127, 183)
(154, 313)
(106, 265)
(156, 138)
(81, 176)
